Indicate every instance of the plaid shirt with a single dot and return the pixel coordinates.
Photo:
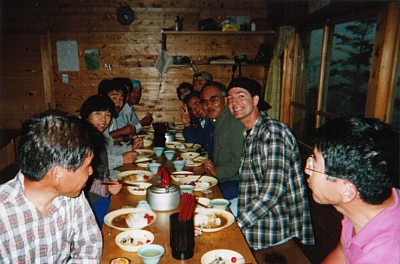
(273, 204)
(68, 233)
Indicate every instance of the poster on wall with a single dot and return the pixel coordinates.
(67, 55)
(92, 59)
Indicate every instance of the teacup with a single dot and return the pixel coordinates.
(151, 254)
(179, 164)
(158, 151)
(153, 167)
(219, 203)
(187, 188)
(169, 154)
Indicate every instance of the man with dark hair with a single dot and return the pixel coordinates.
(44, 215)
(273, 207)
(197, 128)
(351, 169)
(228, 139)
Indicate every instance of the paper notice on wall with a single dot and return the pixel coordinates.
(162, 63)
(92, 59)
(67, 55)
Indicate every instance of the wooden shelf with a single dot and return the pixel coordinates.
(218, 32)
(214, 33)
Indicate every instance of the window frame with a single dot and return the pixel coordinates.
(384, 53)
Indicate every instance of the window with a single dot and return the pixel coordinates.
(332, 74)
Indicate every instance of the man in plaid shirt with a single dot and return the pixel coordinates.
(44, 216)
(273, 206)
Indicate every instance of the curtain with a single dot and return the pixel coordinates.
(273, 86)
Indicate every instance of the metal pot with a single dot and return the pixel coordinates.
(163, 198)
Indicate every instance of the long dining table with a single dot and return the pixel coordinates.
(230, 238)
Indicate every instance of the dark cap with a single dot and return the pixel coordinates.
(252, 87)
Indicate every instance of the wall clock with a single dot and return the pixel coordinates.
(125, 15)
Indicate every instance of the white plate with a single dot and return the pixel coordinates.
(227, 216)
(143, 165)
(110, 216)
(190, 155)
(147, 142)
(226, 256)
(190, 179)
(192, 146)
(178, 175)
(135, 172)
(145, 152)
(175, 145)
(193, 164)
(203, 201)
(140, 190)
(139, 237)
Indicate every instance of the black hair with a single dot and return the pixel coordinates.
(360, 151)
(126, 82)
(97, 103)
(190, 96)
(184, 85)
(52, 138)
(104, 87)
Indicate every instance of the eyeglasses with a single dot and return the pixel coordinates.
(213, 100)
(310, 165)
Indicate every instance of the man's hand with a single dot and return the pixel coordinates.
(137, 143)
(114, 188)
(185, 116)
(146, 120)
(129, 157)
(210, 167)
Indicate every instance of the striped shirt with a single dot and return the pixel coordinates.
(68, 233)
(272, 204)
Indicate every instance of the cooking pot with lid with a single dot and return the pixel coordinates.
(163, 198)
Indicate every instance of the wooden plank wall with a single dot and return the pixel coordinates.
(131, 50)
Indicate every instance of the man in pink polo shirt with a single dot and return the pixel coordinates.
(354, 166)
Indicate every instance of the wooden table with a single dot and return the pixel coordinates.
(228, 238)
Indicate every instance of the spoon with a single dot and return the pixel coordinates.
(204, 173)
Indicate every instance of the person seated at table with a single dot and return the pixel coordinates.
(200, 79)
(200, 131)
(124, 124)
(184, 89)
(44, 215)
(134, 96)
(228, 139)
(273, 208)
(352, 167)
(118, 154)
(98, 112)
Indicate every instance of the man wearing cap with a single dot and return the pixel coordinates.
(273, 207)
(134, 96)
(200, 79)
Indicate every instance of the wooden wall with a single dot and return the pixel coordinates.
(30, 79)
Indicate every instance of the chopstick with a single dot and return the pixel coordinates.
(123, 183)
(204, 173)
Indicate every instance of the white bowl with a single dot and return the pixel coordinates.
(140, 190)
(132, 240)
(219, 203)
(225, 254)
(151, 254)
(190, 155)
(147, 142)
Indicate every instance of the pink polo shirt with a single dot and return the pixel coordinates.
(378, 241)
